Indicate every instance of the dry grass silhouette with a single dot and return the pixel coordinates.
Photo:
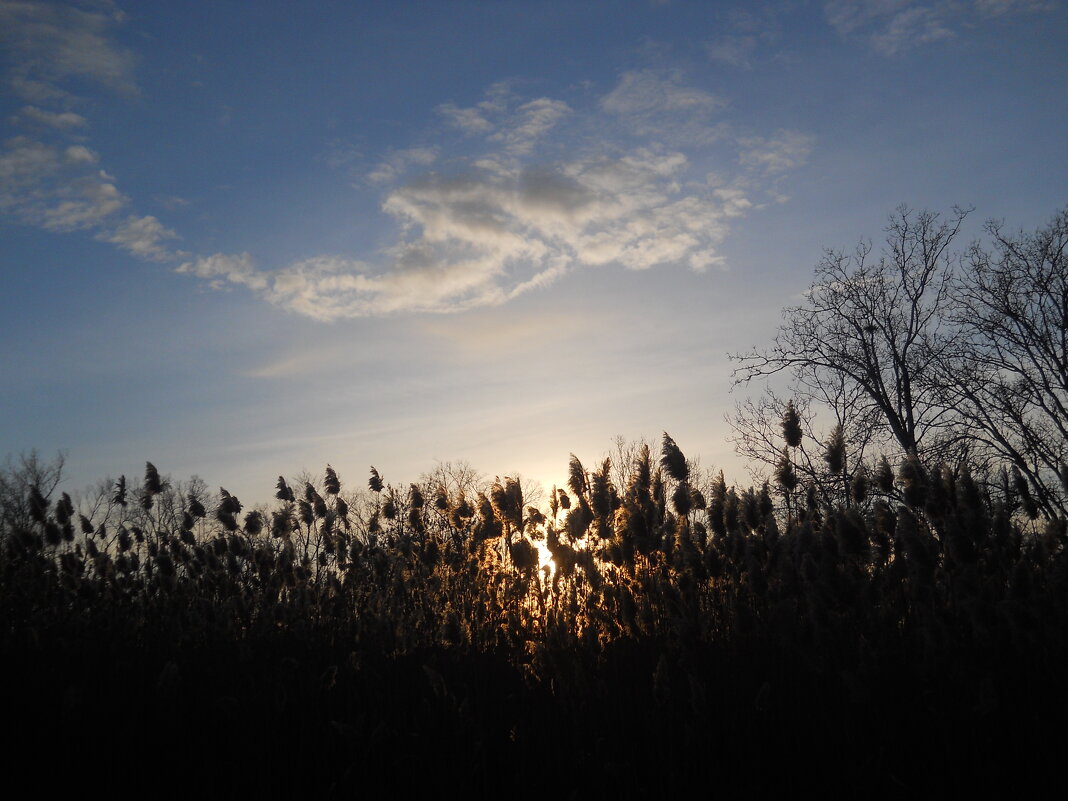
(683, 630)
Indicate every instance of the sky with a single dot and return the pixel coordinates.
(241, 239)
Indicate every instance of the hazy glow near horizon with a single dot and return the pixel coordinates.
(244, 240)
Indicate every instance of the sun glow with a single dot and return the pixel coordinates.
(545, 558)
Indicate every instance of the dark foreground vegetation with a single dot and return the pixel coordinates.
(906, 641)
(888, 619)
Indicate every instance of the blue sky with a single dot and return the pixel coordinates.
(245, 239)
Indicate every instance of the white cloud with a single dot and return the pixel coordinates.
(142, 236)
(894, 26)
(48, 185)
(80, 154)
(653, 104)
(530, 123)
(735, 51)
(647, 92)
(53, 188)
(502, 119)
(84, 203)
(476, 119)
(784, 151)
(221, 269)
(469, 120)
(52, 119)
(505, 220)
(477, 240)
(23, 163)
(398, 162)
(51, 43)
(996, 8)
(910, 28)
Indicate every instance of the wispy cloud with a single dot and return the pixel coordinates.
(737, 51)
(890, 25)
(476, 120)
(399, 161)
(143, 237)
(47, 181)
(221, 270)
(49, 43)
(480, 240)
(647, 92)
(514, 216)
(55, 187)
(786, 150)
(51, 119)
(657, 104)
(895, 26)
(997, 8)
(530, 123)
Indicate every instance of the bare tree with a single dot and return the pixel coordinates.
(1007, 376)
(866, 337)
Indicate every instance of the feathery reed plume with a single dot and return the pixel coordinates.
(332, 484)
(253, 523)
(62, 512)
(835, 450)
(913, 481)
(305, 513)
(415, 497)
(153, 483)
(282, 522)
(441, 498)
(884, 476)
(119, 495)
(717, 504)
(316, 500)
(524, 556)
(785, 476)
(791, 426)
(229, 503)
(227, 511)
(284, 493)
(642, 475)
(858, 485)
(389, 506)
(600, 490)
(682, 499)
(576, 477)
(196, 508)
(374, 483)
(673, 460)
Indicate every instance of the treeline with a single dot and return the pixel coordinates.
(910, 641)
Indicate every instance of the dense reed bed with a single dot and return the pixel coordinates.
(905, 638)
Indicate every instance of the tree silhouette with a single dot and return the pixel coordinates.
(869, 331)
